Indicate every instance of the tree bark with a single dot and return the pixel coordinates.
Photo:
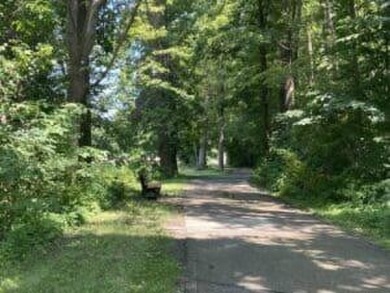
(78, 92)
(81, 27)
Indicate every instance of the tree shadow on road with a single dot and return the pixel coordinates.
(241, 240)
(248, 265)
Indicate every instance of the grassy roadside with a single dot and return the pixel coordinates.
(122, 250)
(119, 250)
(369, 221)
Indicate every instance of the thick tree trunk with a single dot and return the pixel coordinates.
(85, 138)
(167, 152)
(78, 92)
(167, 140)
(81, 26)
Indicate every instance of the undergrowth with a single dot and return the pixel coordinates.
(122, 250)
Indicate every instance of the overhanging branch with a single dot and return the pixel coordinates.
(121, 40)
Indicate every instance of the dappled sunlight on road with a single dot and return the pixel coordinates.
(241, 240)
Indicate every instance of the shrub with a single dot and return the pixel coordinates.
(329, 151)
(119, 183)
(31, 233)
(281, 171)
(284, 173)
(45, 184)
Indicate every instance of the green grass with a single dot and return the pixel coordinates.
(116, 251)
(372, 221)
(122, 250)
(209, 172)
(369, 220)
(175, 186)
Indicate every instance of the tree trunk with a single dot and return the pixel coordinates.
(287, 94)
(202, 157)
(289, 54)
(165, 124)
(329, 28)
(262, 23)
(221, 126)
(311, 55)
(167, 152)
(81, 31)
(265, 114)
(354, 54)
(78, 92)
(329, 33)
(221, 147)
(196, 153)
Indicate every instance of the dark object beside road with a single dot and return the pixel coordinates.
(150, 189)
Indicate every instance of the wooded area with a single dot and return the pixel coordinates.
(91, 91)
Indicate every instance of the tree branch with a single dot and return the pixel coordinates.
(283, 46)
(90, 25)
(121, 40)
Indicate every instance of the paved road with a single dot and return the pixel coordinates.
(238, 240)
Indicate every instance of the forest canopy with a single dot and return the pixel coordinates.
(93, 90)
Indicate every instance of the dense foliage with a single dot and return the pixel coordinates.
(47, 181)
(92, 91)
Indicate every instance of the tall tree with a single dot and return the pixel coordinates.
(82, 23)
(161, 63)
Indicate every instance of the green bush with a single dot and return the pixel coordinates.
(32, 233)
(45, 184)
(330, 151)
(119, 183)
(269, 171)
(284, 173)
